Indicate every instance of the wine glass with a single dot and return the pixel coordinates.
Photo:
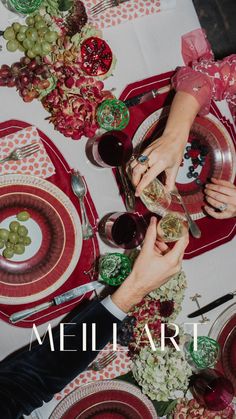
(156, 197)
(122, 229)
(211, 389)
(112, 149)
(171, 227)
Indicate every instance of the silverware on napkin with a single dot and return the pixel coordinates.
(213, 304)
(60, 299)
(193, 227)
(80, 190)
(144, 97)
(104, 5)
(22, 152)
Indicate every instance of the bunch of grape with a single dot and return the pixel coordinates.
(35, 38)
(30, 77)
(126, 331)
(14, 240)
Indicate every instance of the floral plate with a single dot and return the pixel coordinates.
(55, 230)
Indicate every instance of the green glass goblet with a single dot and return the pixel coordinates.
(114, 268)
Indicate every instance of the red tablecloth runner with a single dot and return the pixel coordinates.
(90, 248)
(214, 232)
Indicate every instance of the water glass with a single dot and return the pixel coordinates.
(207, 353)
(112, 114)
(114, 268)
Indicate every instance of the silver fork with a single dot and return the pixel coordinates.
(104, 5)
(102, 363)
(21, 152)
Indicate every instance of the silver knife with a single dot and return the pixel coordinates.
(60, 299)
(144, 97)
(213, 304)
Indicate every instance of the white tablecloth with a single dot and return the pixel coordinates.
(143, 47)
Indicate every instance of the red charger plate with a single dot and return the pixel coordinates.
(224, 331)
(60, 245)
(105, 400)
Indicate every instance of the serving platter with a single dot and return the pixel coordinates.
(105, 400)
(210, 152)
(55, 229)
(224, 331)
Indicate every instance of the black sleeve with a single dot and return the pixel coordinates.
(32, 377)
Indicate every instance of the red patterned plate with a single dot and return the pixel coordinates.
(55, 230)
(105, 400)
(209, 153)
(224, 330)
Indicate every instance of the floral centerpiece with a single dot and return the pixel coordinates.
(64, 63)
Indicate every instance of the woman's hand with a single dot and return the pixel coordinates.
(221, 194)
(155, 264)
(164, 154)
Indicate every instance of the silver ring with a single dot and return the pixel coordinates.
(223, 207)
(142, 159)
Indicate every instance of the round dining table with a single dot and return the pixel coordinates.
(144, 47)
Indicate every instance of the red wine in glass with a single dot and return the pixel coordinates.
(211, 389)
(123, 229)
(112, 149)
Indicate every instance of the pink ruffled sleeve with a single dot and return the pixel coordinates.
(204, 78)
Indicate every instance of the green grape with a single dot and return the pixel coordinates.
(28, 44)
(9, 245)
(23, 29)
(20, 37)
(46, 48)
(14, 226)
(16, 26)
(9, 34)
(8, 253)
(21, 48)
(42, 31)
(27, 241)
(19, 249)
(21, 240)
(13, 237)
(12, 45)
(22, 231)
(23, 216)
(38, 18)
(4, 233)
(30, 20)
(50, 36)
(30, 53)
(32, 34)
(36, 50)
(2, 243)
(40, 25)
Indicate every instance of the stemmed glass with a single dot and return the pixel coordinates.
(211, 389)
(112, 149)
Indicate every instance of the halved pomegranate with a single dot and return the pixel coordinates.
(96, 56)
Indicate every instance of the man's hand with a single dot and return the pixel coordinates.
(155, 264)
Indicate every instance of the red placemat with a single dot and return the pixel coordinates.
(214, 232)
(90, 248)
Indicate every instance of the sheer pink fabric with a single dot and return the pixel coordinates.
(204, 78)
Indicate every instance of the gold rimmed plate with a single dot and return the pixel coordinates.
(55, 229)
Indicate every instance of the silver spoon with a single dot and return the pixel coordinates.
(193, 227)
(79, 189)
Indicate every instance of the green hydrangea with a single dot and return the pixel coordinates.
(161, 374)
